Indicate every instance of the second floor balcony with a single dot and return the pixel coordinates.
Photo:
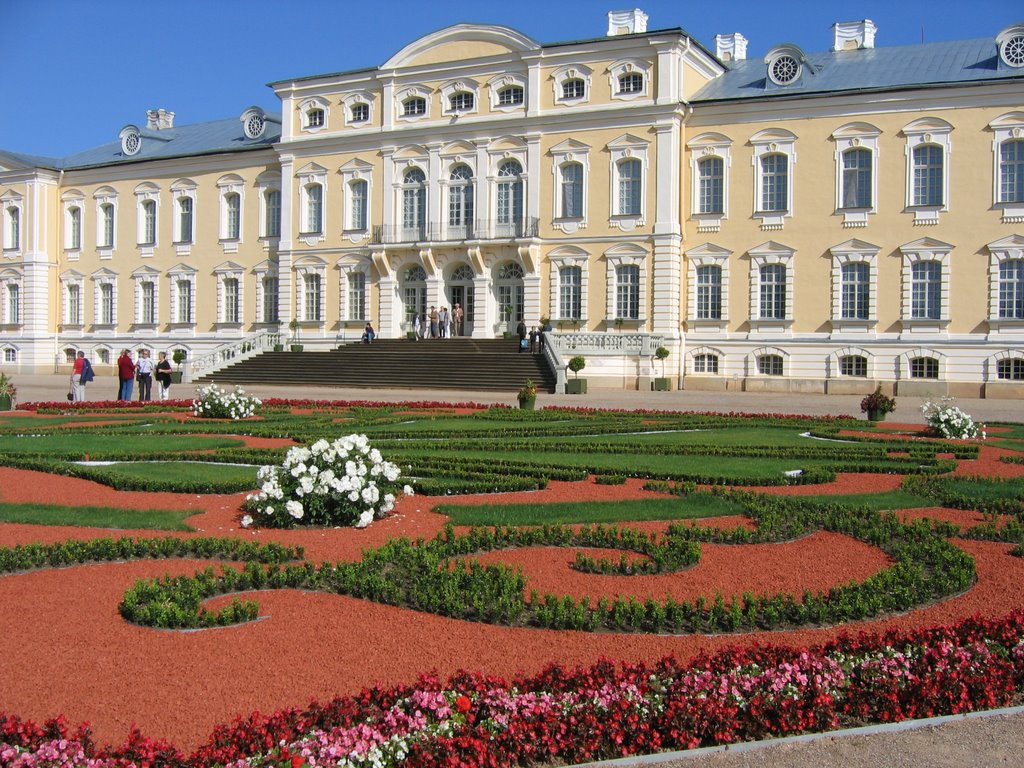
(438, 232)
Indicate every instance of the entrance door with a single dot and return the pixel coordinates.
(460, 291)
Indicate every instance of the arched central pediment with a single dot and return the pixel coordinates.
(461, 41)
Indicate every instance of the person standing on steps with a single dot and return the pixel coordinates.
(521, 332)
(433, 321)
(163, 377)
(126, 375)
(144, 371)
(81, 374)
(417, 329)
(457, 317)
(442, 318)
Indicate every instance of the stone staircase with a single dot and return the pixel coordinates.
(461, 363)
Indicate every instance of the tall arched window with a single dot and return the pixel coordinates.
(709, 292)
(314, 209)
(460, 201)
(358, 200)
(510, 292)
(928, 171)
(233, 216)
(509, 198)
(148, 222)
(1011, 289)
(184, 220)
(711, 185)
(414, 204)
(773, 292)
(1011, 171)
(774, 182)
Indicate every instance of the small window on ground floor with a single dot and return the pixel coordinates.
(1011, 369)
(924, 368)
(769, 365)
(853, 365)
(10, 355)
(705, 363)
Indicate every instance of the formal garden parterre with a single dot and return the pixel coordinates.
(747, 576)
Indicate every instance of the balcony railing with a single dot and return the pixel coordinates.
(437, 232)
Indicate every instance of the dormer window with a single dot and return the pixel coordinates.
(574, 89)
(631, 82)
(254, 122)
(1011, 46)
(785, 65)
(360, 112)
(414, 107)
(131, 140)
(461, 102)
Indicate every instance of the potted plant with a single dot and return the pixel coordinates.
(178, 356)
(294, 325)
(876, 405)
(527, 395)
(8, 392)
(576, 386)
(618, 324)
(662, 383)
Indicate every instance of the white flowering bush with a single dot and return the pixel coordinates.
(341, 483)
(949, 421)
(212, 402)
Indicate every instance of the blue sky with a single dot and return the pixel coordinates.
(76, 71)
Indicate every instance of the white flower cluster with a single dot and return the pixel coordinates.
(948, 420)
(212, 402)
(341, 483)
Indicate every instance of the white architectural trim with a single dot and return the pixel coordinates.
(499, 83)
(309, 176)
(850, 138)
(766, 254)
(625, 254)
(353, 171)
(103, 197)
(563, 154)
(1002, 250)
(772, 141)
(925, 249)
(229, 270)
(624, 148)
(181, 190)
(852, 252)
(571, 72)
(149, 275)
(924, 132)
(147, 192)
(707, 255)
(460, 85)
(871, 361)
(230, 184)
(350, 100)
(559, 258)
(707, 146)
(307, 108)
(629, 68)
(1006, 127)
(402, 95)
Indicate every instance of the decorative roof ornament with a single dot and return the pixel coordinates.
(628, 22)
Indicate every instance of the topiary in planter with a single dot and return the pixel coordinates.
(576, 386)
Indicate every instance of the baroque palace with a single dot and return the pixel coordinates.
(806, 221)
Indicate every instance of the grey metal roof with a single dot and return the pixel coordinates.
(904, 66)
(20, 160)
(185, 140)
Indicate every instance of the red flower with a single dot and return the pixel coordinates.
(298, 761)
(462, 704)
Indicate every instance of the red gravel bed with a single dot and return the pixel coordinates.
(65, 649)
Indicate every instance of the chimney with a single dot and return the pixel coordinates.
(731, 47)
(159, 119)
(627, 22)
(853, 35)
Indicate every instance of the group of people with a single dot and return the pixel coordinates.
(143, 371)
(439, 323)
(129, 371)
(532, 339)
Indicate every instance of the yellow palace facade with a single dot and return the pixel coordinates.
(820, 222)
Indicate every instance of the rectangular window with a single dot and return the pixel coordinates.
(857, 178)
(184, 301)
(925, 290)
(627, 292)
(924, 368)
(231, 314)
(311, 298)
(928, 175)
(572, 191)
(357, 296)
(270, 299)
(773, 292)
(709, 292)
(510, 96)
(147, 299)
(106, 304)
(357, 210)
(314, 209)
(12, 237)
(629, 188)
(1011, 369)
(14, 304)
(185, 220)
(233, 225)
(711, 185)
(148, 222)
(1011, 171)
(853, 365)
(1011, 289)
(774, 182)
(570, 289)
(75, 216)
(74, 316)
(855, 291)
(273, 223)
(107, 224)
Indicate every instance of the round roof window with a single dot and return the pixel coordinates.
(784, 70)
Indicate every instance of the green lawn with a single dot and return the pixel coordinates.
(180, 476)
(96, 517)
(82, 442)
(693, 506)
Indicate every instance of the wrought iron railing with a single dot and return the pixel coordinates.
(236, 351)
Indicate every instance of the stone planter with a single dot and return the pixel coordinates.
(279, 347)
(876, 415)
(175, 377)
(6, 402)
(576, 387)
(296, 347)
(662, 384)
(528, 403)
